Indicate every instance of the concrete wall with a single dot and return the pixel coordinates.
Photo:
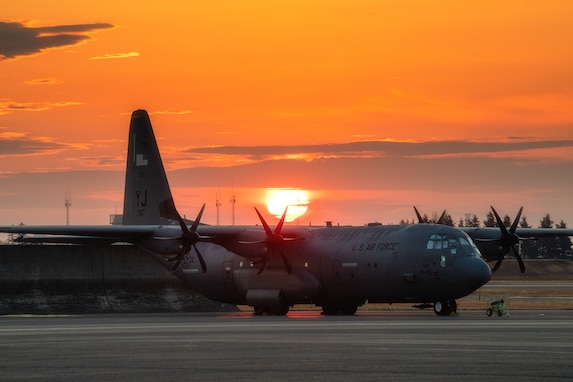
(48, 279)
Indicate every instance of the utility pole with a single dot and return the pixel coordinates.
(218, 205)
(233, 200)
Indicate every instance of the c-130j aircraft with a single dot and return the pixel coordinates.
(271, 269)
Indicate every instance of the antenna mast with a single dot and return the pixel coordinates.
(233, 200)
(68, 204)
(218, 205)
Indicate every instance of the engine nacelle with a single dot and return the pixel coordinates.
(265, 297)
(165, 246)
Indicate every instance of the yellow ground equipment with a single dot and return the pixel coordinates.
(497, 307)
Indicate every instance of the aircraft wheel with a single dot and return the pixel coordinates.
(441, 308)
(329, 310)
(336, 309)
(453, 306)
(348, 310)
(279, 310)
(272, 311)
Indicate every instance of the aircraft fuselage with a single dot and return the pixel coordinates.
(338, 267)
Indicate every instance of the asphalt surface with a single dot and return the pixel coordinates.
(304, 346)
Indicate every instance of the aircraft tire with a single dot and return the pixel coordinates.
(348, 310)
(339, 309)
(271, 311)
(279, 310)
(453, 305)
(441, 308)
(259, 310)
(329, 310)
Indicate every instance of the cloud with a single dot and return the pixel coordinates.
(7, 106)
(43, 81)
(99, 162)
(519, 153)
(174, 112)
(366, 149)
(115, 55)
(16, 39)
(14, 143)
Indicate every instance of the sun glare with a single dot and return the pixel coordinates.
(279, 199)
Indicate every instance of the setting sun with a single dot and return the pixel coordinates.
(279, 199)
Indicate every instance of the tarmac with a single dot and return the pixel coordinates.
(527, 345)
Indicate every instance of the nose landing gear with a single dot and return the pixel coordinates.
(445, 308)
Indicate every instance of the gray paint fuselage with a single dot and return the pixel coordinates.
(348, 264)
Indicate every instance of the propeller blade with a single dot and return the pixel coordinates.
(201, 260)
(499, 222)
(273, 240)
(264, 262)
(420, 219)
(442, 218)
(519, 259)
(264, 223)
(286, 263)
(189, 237)
(179, 260)
(279, 226)
(516, 221)
(497, 264)
(181, 256)
(509, 239)
(181, 222)
(198, 219)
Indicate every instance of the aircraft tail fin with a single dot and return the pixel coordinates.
(147, 198)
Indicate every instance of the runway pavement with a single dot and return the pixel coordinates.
(304, 346)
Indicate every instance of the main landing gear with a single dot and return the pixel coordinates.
(281, 310)
(445, 308)
(339, 309)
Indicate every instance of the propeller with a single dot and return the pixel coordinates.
(273, 241)
(508, 240)
(421, 220)
(189, 237)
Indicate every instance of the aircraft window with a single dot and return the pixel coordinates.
(464, 241)
(440, 241)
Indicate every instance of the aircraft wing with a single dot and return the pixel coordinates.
(109, 234)
(81, 234)
(543, 232)
(492, 233)
(495, 243)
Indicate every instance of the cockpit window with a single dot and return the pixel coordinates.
(464, 241)
(440, 241)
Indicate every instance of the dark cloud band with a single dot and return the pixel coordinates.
(18, 40)
(386, 148)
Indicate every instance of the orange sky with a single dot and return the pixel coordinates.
(273, 94)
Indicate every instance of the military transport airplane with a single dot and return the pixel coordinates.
(271, 269)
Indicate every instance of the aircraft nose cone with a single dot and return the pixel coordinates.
(477, 272)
